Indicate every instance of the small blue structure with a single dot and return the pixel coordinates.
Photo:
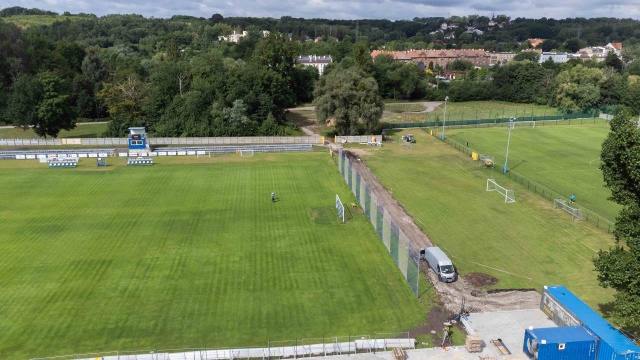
(561, 343)
(138, 139)
(566, 309)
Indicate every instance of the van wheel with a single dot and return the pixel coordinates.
(440, 278)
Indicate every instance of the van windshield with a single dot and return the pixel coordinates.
(446, 269)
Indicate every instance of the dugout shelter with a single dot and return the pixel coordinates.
(138, 138)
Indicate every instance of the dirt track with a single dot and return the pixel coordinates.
(451, 294)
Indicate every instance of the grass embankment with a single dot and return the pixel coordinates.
(80, 131)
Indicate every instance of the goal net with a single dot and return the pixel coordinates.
(576, 213)
(340, 208)
(523, 124)
(245, 153)
(509, 196)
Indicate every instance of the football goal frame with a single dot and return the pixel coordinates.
(246, 152)
(340, 208)
(575, 212)
(509, 195)
(531, 123)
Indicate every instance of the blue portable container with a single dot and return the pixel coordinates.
(138, 138)
(566, 309)
(561, 343)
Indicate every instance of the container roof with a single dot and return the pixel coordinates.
(562, 334)
(592, 321)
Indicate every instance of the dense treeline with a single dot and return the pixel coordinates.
(176, 78)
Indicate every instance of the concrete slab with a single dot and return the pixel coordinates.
(508, 326)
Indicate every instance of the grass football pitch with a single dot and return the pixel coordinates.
(188, 253)
(526, 244)
(562, 158)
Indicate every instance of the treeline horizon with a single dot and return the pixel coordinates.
(176, 78)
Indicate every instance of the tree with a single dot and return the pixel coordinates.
(362, 56)
(579, 87)
(54, 111)
(527, 55)
(39, 102)
(22, 103)
(619, 266)
(612, 60)
(352, 98)
(459, 65)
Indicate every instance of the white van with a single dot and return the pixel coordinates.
(440, 263)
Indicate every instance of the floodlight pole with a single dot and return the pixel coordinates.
(446, 98)
(511, 120)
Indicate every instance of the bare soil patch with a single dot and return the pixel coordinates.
(480, 280)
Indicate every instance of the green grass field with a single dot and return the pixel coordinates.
(473, 110)
(81, 131)
(188, 253)
(526, 244)
(564, 159)
(26, 21)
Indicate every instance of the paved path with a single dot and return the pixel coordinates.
(86, 123)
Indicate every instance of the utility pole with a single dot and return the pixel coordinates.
(357, 29)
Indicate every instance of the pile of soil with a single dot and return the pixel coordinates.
(480, 280)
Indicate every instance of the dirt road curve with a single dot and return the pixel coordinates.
(451, 294)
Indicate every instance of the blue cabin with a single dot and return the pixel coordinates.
(566, 309)
(138, 139)
(562, 343)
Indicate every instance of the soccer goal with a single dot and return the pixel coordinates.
(340, 208)
(509, 196)
(247, 152)
(523, 124)
(576, 213)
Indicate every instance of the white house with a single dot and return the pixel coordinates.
(319, 62)
(556, 57)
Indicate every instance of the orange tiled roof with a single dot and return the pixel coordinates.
(617, 45)
(535, 42)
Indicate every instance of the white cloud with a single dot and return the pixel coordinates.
(343, 9)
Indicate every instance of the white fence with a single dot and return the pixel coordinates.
(329, 346)
(169, 141)
(360, 139)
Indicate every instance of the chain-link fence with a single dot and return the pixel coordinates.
(400, 247)
(435, 120)
(589, 215)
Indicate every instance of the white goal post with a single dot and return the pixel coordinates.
(340, 208)
(576, 213)
(528, 123)
(509, 196)
(246, 152)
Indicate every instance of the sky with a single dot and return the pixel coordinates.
(343, 9)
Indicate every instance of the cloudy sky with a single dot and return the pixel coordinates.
(343, 9)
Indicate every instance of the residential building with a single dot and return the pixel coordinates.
(319, 62)
(557, 57)
(501, 58)
(439, 58)
(598, 53)
(236, 36)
